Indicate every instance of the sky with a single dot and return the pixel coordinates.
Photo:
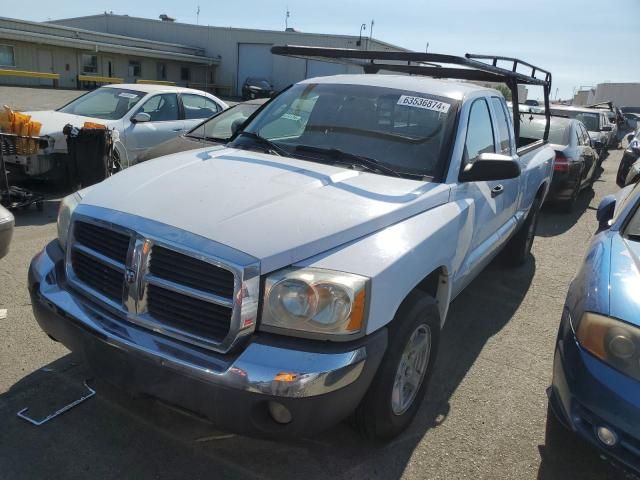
(582, 42)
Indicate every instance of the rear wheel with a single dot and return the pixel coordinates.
(570, 204)
(401, 382)
(516, 251)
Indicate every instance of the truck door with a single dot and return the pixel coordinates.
(487, 199)
(507, 200)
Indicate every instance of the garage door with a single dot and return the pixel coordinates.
(317, 68)
(254, 60)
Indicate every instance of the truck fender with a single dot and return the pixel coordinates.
(400, 258)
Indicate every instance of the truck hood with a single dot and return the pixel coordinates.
(53, 122)
(276, 209)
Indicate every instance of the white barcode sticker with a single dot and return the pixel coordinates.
(426, 103)
(128, 95)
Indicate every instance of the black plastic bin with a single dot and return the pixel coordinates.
(90, 151)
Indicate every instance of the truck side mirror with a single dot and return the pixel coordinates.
(605, 212)
(490, 166)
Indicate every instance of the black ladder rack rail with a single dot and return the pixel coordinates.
(475, 68)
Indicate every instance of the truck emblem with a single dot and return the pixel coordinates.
(130, 276)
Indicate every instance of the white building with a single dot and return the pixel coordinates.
(29, 47)
(241, 52)
(621, 94)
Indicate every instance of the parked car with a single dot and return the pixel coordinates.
(575, 165)
(629, 157)
(613, 137)
(303, 272)
(632, 120)
(216, 130)
(256, 87)
(143, 116)
(6, 230)
(596, 122)
(596, 370)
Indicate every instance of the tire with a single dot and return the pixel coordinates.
(515, 253)
(384, 413)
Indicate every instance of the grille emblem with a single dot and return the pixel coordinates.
(130, 276)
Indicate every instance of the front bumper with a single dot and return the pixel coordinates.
(319, 383)
(586, 394)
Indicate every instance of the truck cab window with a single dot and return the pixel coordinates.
(503, 126)
(479, 132)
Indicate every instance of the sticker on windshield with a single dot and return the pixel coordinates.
(128, 95)
(291, 116)
(426, 103)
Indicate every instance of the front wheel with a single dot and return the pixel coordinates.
(516, 251)
(401, 382)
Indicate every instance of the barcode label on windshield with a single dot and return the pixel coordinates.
(426, 103)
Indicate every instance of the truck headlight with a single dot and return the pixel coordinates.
(67, 206)
(314, 302)
(612, 341)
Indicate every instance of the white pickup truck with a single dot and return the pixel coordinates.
(303, 272)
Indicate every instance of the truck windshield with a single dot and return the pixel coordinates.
(402, 132)
(105, 103)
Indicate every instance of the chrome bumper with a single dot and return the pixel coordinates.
(262, 367)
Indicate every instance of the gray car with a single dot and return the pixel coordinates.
(6, 230)
(595, 120)
(214, 130)
(575, 166)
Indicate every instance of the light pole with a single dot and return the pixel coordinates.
(363, 27)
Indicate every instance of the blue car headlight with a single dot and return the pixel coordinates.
(613, 341)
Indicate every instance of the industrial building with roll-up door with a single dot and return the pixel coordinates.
(241, 52)
(43, 54)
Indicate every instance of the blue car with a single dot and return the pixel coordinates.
(596, 372)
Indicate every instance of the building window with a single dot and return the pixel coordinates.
(185, 73)
(162, 71)
(89, 63)
(135, 68)
(7, 57)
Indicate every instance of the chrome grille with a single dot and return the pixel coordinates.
(103, 240)
(103, 278)
(185, 291)
(197, 317)
(191, 272)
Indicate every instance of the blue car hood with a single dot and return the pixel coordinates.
(624, 280)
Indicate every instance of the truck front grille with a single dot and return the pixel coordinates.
(104, 279)
(156, 285)
(191, 272)
(103, 240)
(190, 315)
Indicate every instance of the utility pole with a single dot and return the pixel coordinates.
(426, 50)
(286, 20)
(370, 33)
(198, 16)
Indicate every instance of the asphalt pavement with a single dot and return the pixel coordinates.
(485, 415)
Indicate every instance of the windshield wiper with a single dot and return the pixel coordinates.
(341, 156)
(271, 147)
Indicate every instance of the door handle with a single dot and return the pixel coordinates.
(497, 190)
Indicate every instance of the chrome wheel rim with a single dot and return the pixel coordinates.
(411, 369)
